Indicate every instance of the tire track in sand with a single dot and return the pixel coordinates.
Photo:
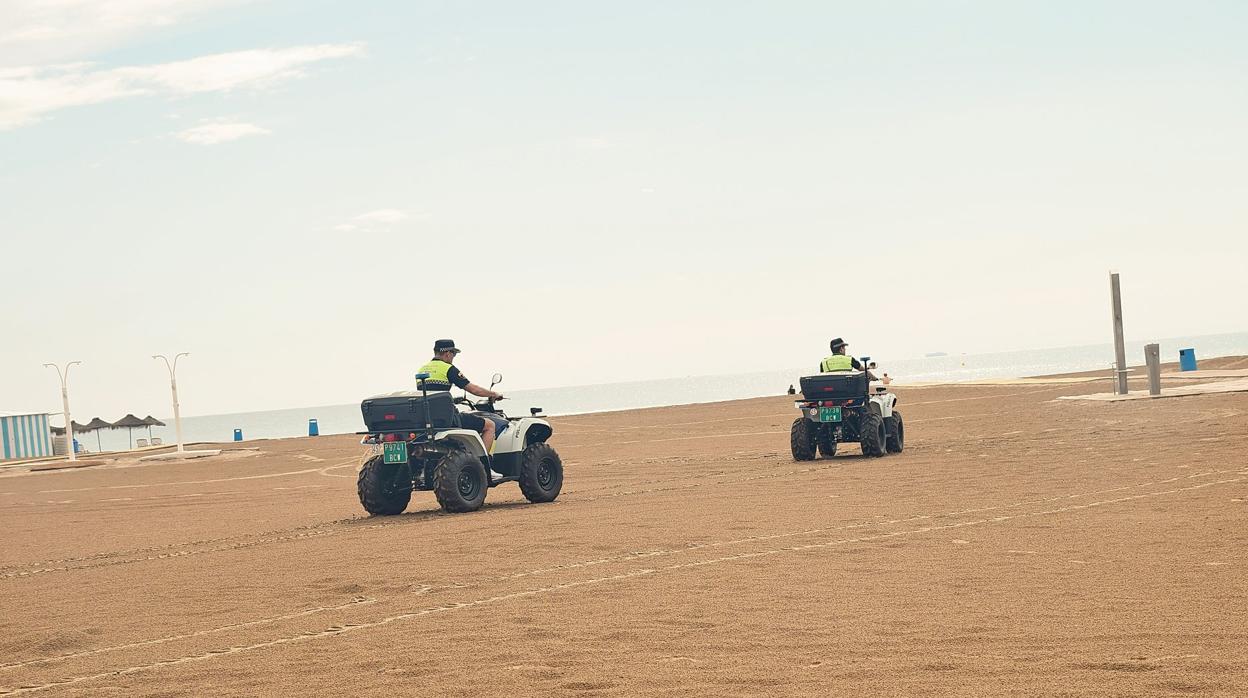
(347, 627)
(357, 601)
(333, 528)
(318, 530)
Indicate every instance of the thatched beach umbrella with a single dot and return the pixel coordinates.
(129, 423)
(94, 425)
(60, 431)
(151, 421)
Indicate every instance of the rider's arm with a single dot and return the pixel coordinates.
(482, 392)
(461, 381)
(859, 367)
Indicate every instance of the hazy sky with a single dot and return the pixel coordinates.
(305, 194)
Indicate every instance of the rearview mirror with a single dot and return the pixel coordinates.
(421, 376)
(498, 378)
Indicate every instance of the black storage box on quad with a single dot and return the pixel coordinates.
(406, 412)
(834, 385)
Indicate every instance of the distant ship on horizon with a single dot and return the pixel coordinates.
(934, 354)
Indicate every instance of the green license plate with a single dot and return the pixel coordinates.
(829, 414)
(394, 452)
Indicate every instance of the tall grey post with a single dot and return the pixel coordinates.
(1120, 349)
(1152, 357)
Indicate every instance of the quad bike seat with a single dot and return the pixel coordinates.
(500, 422)
(406, 411)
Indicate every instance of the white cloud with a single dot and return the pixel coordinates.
(226, 71)
(53, 30)
(220, 132)
(385, 215)
(375, 221)
(29, 93)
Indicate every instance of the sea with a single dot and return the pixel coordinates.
(607, 397)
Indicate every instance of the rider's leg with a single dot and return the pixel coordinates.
(487, 435)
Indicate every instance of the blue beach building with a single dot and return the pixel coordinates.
(24, 436)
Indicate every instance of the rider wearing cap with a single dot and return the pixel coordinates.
(442, 375)
(840, 361)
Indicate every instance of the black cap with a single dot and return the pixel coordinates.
(838, 343)
(444, 345)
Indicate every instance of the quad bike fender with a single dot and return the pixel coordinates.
(521, 434)
(468, 439)
(883, 404)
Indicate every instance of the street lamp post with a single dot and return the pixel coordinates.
(173, 385)
(63, 374)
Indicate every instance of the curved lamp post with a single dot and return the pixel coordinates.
(63, 374)
(173, 385)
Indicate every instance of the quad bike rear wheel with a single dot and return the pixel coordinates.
(802, 439)
(896, 434)
(871, 434)
(541, 473)
(384, 489)
(459, 482)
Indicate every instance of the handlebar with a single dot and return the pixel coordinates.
(486, 405)
(487, 401)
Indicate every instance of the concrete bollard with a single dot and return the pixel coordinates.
(1120, 347)
(238, 434)
(313, 429)
(1152, 357)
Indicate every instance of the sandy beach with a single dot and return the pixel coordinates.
(1019, 546)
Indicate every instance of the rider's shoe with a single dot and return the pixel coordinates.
(496, 476)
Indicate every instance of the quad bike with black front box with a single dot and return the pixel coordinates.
(417, 444)
(845, 407)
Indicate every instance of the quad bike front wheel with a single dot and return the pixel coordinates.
(802, 439)
(896, 434)
(541, 473)
(384, 489)
(827, 441)
(459, 482)
(871, 434)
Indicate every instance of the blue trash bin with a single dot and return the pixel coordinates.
(313, 429)
(1187, 359)
(238, 434)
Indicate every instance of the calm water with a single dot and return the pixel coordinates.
(337, 419)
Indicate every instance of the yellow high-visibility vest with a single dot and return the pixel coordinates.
(837, 362)
(439, 376)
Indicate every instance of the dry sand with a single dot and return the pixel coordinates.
(1019, 546)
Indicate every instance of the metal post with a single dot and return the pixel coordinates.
(1120, 349)
(69, 423)
(173, 387)
(1152, 357)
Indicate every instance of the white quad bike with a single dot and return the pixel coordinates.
(846, 407)
(416, 443)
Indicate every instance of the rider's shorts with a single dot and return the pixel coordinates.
(472, 421)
